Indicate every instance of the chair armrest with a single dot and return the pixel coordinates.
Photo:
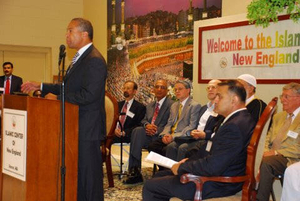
(200, 180)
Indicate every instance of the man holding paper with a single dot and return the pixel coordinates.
(227, 152)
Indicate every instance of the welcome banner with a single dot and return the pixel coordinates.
(270, 54)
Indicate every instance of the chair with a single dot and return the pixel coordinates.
(249, 178)
(111, 109)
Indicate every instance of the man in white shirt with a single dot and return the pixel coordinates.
(291, 184)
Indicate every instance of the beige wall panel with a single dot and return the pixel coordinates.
(28, 65)
(1, 58)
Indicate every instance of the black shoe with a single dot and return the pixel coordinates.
(137, 178)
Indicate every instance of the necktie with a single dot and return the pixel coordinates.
(282, 132)
(73, 61)
(155, 113)
(7, 86)
(123, 115)
(178, 116)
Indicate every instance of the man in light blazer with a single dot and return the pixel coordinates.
(179, 123)
(157, 114)
(131, 111)
(85, 87)
(15, 82)
(282, 146)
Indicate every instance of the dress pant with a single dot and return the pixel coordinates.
(176, 150)
(271, 167)
(166, 185)
(90, 172)
(158, 146)
(139, 140)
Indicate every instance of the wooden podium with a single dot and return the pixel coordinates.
(43, 178)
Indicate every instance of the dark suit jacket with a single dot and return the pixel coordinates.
(256, 108)
(162, 117)
(227, 156)
(16, 83)
(139, 110)
(85, 86)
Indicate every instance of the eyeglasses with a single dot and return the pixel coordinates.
(161, 87)
(288, 97)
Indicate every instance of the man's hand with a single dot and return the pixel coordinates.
(269, 153)
(198, 134)
(51, 96)
(118, 132)
(30, 86)
(150, 129)
(176, 166)
(167, 139)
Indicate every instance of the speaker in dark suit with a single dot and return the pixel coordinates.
(15, 82)
(227, 153)
(85, 87)
(131, 113)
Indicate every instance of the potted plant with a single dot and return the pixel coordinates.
(261, 12)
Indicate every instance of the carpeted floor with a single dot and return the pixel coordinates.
(125, 192)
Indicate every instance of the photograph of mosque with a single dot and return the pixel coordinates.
(148, 40)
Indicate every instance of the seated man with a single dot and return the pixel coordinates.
(184, 116)
(254, 105)
(227, 152)
(206, 125)
(157, 114)
(291, 187)
(9, 83)
(131, 113)
(282, 146)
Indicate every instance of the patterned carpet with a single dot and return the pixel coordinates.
(125, 192)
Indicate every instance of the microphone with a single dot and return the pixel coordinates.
(62, 53)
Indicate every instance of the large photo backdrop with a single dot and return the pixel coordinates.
(148, 40)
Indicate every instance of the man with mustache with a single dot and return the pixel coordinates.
(9, 83)
(131, 113)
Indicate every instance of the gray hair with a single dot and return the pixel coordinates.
(185, 83)
(295, 87)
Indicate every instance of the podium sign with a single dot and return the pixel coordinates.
(14, 143)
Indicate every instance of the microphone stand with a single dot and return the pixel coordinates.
(61, 72)
(62, 113)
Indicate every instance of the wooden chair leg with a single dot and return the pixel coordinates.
(109, 171)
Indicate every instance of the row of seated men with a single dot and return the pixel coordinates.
(213, 137)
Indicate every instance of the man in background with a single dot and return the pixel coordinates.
(131, 113)
(85, 87)
(9, 83)
(227, 153)
(157, 114)
(207, 122)
(184, 117)
(282, 146)
(254, 105)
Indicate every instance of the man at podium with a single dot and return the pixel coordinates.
(84, 86)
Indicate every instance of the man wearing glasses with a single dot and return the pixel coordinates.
(282, 146)
(207, 122)
(157, 114)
